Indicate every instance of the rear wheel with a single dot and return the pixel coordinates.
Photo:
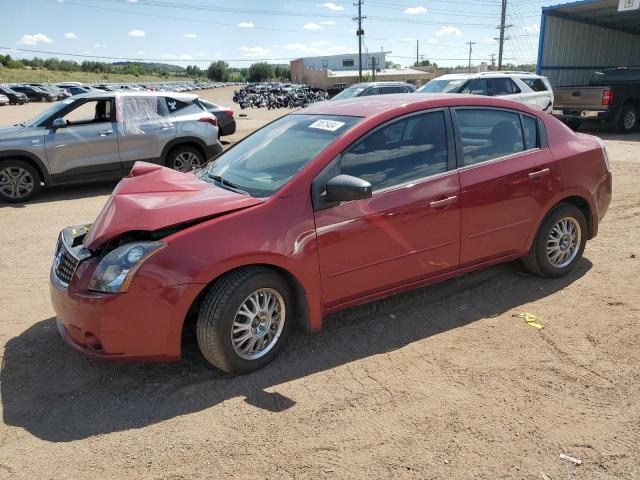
(628, 120)
(244, 320)
(559, 243)
(573, 124)
(185, 158)
(19, 181)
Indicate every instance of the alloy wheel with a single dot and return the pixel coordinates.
(564, 242)
(629, 120)
(186, 162)
(258, 324)
(16, 182)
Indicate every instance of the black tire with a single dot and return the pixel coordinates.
(537, 261)
(574, 125)
(185, 158)
(218, 312)
(8, 169)
(628, 120)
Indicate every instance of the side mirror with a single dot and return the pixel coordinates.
(58, 123)
(344, 188)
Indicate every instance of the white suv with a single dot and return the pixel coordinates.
(533, 90)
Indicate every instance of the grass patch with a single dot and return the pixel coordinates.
(15, 75)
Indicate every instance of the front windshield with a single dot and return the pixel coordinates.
(48, 113)
(268, 159)
(349, 93)
(442, 86)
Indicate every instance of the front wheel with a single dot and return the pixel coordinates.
(19, 181)
(244, 320)
(559, 243)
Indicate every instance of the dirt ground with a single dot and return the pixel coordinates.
(443, 382)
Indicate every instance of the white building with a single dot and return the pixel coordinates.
(337, 63)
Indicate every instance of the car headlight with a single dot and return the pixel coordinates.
(116, 270)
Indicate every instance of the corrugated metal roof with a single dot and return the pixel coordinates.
(602, 13)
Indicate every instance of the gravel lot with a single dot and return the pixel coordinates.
(443, 382)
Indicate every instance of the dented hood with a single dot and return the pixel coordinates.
(154, 197)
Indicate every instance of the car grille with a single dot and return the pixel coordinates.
(64, 264)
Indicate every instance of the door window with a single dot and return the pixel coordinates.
(408, 149)
(476, 87)
(487, 134)
(92, 111)
(500, 86)
(371, 91)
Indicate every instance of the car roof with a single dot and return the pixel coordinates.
(376, 84)
(118, 94)
(464, 76)
(374, 105)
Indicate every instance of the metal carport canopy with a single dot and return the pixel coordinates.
(581, 37)
(601, 13)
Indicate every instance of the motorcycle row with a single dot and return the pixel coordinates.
(250, 97)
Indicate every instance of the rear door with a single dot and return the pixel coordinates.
(88, 145)
(145, 126)
(410, 228)
(506, 177)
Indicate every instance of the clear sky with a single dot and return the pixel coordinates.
(199, 31)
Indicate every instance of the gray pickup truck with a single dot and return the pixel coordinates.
(99, 136)
(612, 97)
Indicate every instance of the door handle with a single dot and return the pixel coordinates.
(104, 133)
(444, 202)
(539, 174)
(166, 127)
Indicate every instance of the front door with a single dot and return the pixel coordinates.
(506, 177)
(410, 227)
(87, 146)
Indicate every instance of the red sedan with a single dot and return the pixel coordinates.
(334, 205)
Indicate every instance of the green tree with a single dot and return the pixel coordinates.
(218, 71)
(261, 71)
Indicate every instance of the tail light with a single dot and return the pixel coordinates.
(607, 97)
(229, 112)
(211, 120)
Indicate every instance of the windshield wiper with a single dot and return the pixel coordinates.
(227, 184)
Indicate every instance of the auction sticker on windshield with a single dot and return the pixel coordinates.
(329, 125)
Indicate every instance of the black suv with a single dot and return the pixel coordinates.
(35, 94)
(14, 97)
(374, 88)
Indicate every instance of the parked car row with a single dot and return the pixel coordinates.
(22, 93)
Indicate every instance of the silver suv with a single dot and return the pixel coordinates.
(99, 136)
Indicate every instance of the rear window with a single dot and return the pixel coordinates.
(172, 105)
(535, 84)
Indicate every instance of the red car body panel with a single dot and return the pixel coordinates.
(154, 197)
(337, 257)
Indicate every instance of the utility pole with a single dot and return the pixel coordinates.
(360, 33)
(493, 61)
(417, 53)
(471, 44)
(502, 28)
